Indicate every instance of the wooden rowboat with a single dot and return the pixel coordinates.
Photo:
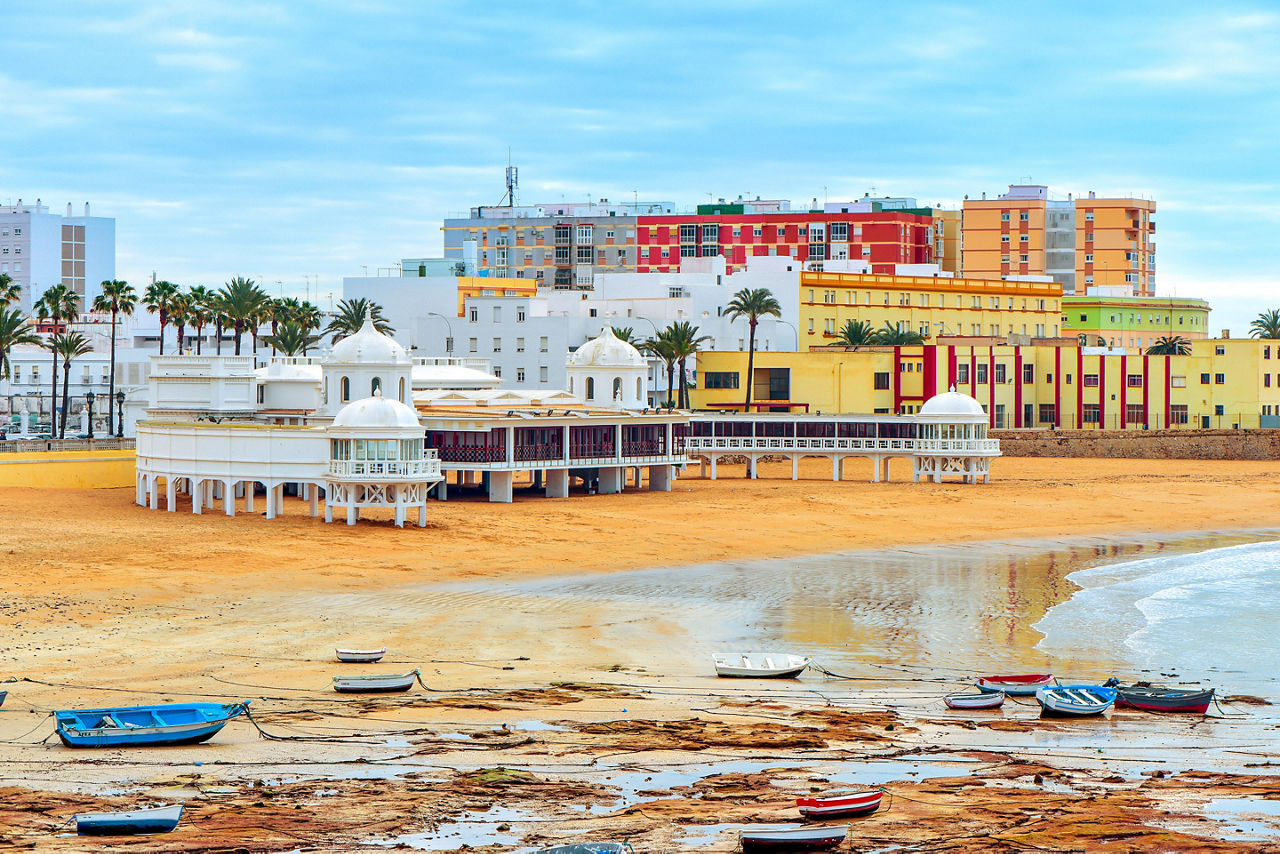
(845, 806)
(1074, 700)
(760, 665)
(981, 700)
(389, 684)
(141, 726)
(154, 820)
(791, 838)
(1024, 685)
(589, 848)
(1153, 698)
(363, 656)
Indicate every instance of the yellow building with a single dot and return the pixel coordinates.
(1136, 322)
(1223, 383)
(484, 286)
(1083, 244)
(930, 305)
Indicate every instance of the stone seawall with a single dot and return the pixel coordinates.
(1142, 444)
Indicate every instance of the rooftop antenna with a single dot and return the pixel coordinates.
(513, 181)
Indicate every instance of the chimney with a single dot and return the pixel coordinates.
(1226, 333)
(68, 208)
(1092, 194)
(86, 208)
(984, 195)
(37, 203)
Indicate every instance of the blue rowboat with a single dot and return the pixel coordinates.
(155, 820)
(3, 694)
(142, 726)
(1074, 700)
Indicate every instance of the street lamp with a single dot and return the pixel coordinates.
(89, 399)
(793, 329)
(120, 419)
(448, 344)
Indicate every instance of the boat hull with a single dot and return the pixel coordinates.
(1189, 702)
(395, 684)
(1015, 686)
(1074, 701)
(144, 726)
(982, 700)
(793, 839)
(3, 694)
(360, 656)
(379, 689)
(160, 820)
(760, 665)
(152, 737)
(850, 807)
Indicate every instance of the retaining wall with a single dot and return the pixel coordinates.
(1142, 444)
(67, 469)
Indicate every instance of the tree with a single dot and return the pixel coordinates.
(241, 301)
(856, 333)
(310, 317)
(179, 313)
(660, 347)
(291, 338)
(200, 314)
(351, 315)
(685, 341)
(753, 304)
(1170, 345)
(68, 345)
(1266, 325)
(59, 304)
(117, 297)
(15, 328)
(626, 333)
(893, 336)
(10, 291)
(158, 298)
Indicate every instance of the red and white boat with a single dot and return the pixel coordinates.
(1023, 685)
(845, 806)
(981, 700)
(791, 838)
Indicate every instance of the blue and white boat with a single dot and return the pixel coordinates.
(3, 694)
(154, 820)
(1075, 700)
(140, 726)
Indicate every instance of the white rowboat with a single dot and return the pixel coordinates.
(788, 838)
(375, 684)
(760, 665)
(364, 656)
(1075, 700)
(984, 700)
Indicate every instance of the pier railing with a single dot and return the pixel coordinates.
(426, 469)
(783, 444)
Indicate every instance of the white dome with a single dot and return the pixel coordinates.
(379, 412)
(951, 403)
(607, 351)
(368, 347)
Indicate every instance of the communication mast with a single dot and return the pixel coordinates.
(513, 181)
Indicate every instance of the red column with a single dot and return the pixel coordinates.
(930, 387)
(1102, 392)
(1057, 386)
(1124, 384)
(951, 365)
(991, 384)
(1017, 386)
(1168, 387)
(1079, 388)
(897, 379)
(1146, 391)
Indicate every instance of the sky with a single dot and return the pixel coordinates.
(324, 139)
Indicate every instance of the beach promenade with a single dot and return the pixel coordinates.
(596, 697)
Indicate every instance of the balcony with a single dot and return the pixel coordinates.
(963, 447)
(424, 469)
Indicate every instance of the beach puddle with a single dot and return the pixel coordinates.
(492, 827)
(1248, 819)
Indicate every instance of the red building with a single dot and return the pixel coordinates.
(880, 238)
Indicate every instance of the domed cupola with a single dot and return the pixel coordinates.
(363, 365)
(607, 371)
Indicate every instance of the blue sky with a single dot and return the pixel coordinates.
(277, 140)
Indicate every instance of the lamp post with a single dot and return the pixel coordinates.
(793, 329)
(448, 344)
(89, 399)
(120, 418)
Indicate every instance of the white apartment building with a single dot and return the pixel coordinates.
(39, 249)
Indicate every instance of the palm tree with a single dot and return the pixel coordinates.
(351, 315)
(309, 317)
(241, 301)
(117, 297)
(158, 298)
(10, 291)
(68, 345)
(218, 309)
(200, 313)
(685, 342)
(15, 328)
(1170, 345)
(291, 338)
(179, 313)
(660, 347)
(1267, 325)
(892, 335)
(856, 333)
(626, 333)
(58, 304)
(753, 304)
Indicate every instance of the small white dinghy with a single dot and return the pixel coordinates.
(154, 820)
(760, 665)
(792, 838)
(362, 656)
(393, 683)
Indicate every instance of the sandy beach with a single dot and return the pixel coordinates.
(605, 723)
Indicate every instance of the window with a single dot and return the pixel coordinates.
(1266, 380)
(1004, 217)
(1177, 382)
(882, 380)
(839, 231)
(1134, 381)
(1028, 373)
(497, 371)
(542, 374)
(720, 379)
(1024, 238)
(497, 314)
(981, 377)
(591, 388)
(962, 374)
(1220, 350)
(1067, 379)
(1133, 414)
(1204, 379)
(1217, 410)
(519, 345)
(1024, 258)
(758, 231)
(542, 344)
(1219, 379)
(472, 343)
(1178, 413)
(584, 234)
(585, 254)
(519, 375)
(375, 386)
(346, 389)
(1092, 413)
(1024, 216)
(1004, 238)
(497, 345)
(1048, 413)
(1001, 374)
(1090, 380)
(520, 315)
(475, 315)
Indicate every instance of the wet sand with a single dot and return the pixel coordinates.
(584, 698)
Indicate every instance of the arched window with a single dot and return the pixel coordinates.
(639, 389)
(617, 387)
(402, 397)
(591, 388)
(346, 389)
(375, 386)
